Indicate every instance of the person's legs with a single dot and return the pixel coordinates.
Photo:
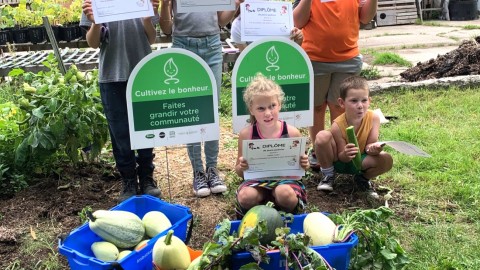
(326, 151)
(285, 198)
(200, 184)
(148, 185)
(374, 166)
(211, 52)
(320, 85)
(249, 197)
(114, 103)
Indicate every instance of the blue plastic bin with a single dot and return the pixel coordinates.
(76, 246)
(336, 254)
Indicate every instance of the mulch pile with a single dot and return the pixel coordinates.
(465, 60)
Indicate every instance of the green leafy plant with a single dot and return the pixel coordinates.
(51, 119)
(370, 73)
(22, 15)
(225, 106)
(83, 214)
(6, 17)
(377, 247)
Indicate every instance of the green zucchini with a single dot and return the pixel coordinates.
(351, 138)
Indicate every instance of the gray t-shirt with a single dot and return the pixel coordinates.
(194, 24)
(125, 46)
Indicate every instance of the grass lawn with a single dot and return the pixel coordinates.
(438, 211)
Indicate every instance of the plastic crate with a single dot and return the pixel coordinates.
(336, 254)
(76, 246)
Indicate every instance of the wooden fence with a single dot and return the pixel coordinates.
(395, 12)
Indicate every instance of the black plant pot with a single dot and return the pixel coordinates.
(5, 36)
(36, 34)
(56, 32)
(20, 35)
(463, 10)
(78, 31)
(67, 33)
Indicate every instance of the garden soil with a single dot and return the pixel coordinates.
(34, 219)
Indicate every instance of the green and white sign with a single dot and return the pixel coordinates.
(172, 99)
(284, 62)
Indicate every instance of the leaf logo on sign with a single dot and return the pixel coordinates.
(171, 70)
(272, 58)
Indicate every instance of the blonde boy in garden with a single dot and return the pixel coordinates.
(333, 151)
(263, 98)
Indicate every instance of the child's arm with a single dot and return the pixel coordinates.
(148, 23)
(224, 17)
(301, 13)
(373, 147)
(166, 17)
(241, 165)
(94, 33)
(368, 11)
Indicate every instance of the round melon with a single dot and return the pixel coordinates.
(320, 228)
(155, 222)
(272, 218)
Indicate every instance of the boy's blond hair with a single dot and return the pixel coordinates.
(353, 82)
(261, 86)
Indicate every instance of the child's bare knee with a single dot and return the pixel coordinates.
(323, 137)
(248, 197)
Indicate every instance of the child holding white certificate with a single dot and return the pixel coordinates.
(263, 98)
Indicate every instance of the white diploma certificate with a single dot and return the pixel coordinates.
(274, 159)
(265, 19)
(185, 6)
(118, 10)
(406, 148)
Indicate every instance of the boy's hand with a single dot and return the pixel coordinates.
(243, 163)
(374, 149)
(350, 151)
(304, 162)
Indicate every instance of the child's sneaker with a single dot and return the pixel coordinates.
(200, 184)
(365, 185)
(312, 159)
(326, 184)
(214, 181)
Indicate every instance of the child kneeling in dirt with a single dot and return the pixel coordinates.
(333, 151)
(264, 98)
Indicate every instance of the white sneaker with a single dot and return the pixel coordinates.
(200, 184)
(327, 183)
(215, 183)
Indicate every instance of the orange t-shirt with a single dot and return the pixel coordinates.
(362, 132)
(331, 33)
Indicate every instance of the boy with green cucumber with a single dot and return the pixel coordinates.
(351, 145)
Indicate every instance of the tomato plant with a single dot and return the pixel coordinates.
(55, 117)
